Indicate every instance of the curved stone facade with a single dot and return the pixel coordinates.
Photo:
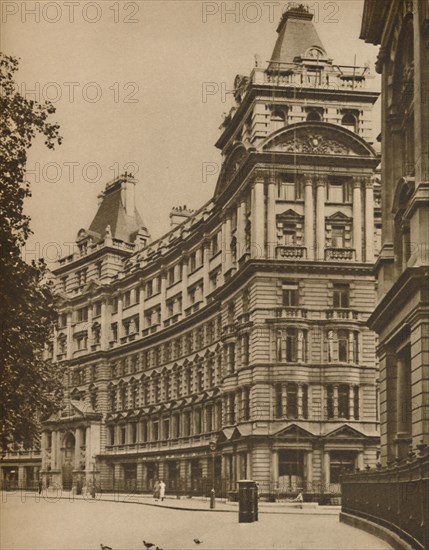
(244, 326)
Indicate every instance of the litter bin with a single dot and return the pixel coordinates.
(247, 501)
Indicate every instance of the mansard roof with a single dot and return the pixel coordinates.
(297, 38)
(111, 213)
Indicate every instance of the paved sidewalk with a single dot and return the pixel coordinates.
(197, 504)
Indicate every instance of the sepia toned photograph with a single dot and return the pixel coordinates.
(214, 278)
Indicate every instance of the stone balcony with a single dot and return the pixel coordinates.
(345, 314)
(291, 252)
(291, 313)
(339, 254)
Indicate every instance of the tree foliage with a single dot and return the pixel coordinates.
(30, 387)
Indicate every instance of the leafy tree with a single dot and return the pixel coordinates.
(30, 387)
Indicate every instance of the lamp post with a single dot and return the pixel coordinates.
(94, 471)
(212, 446)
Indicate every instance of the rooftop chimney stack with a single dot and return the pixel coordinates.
(179, 214)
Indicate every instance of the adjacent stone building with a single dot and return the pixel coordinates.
(401, 317)
(245, 325)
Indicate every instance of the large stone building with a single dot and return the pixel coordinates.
(245, 325)
(401, 317)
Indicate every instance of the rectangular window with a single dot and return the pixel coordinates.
(114, 332)
(170, 276)
(338, 236)
(344, 401)
(149, 289)
(215, 244)
(155, 430)
(290, 294)
(341, 295)
(336, 192)
(289, 234)
(286, 189)
(127, 298)
(166, 428)
(82, 314)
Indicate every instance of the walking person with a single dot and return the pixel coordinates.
(156, 490)
(162, 490)
(40, 485)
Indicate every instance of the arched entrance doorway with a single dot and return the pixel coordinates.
(68, 461)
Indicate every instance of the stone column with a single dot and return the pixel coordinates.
(163, 297)
(141, 307)
(403, 413)
(284, 400)
(351, 403)
(69, 335)
(226, 244)
(320, 217)
(206, 269)
(271, 221)
(241, 228)
(275, 467)
(326, 469)
(309, 217)
(351, 346)
(258, 219)
(335, 401)
(54, 450)
(360, 460)
(43, 445)
(300, 346)
(78, 443)
(300, 401)
(309, 470)
(120, 325)
(369, 220)
(185, 297)
(89, 327)
(104, 331)
(357, 218)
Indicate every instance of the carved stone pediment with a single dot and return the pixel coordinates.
(317, 138)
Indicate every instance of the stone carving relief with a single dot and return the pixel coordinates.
(313, 143)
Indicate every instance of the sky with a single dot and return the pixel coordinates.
(141, 86)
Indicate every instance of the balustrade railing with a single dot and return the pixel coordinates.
(291, 252)
(340, 254)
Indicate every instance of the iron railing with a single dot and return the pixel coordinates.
(395, 497)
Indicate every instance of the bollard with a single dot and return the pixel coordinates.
(212, 500)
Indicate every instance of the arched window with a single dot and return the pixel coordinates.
(314, 116)
(349, 121)
(278, 118)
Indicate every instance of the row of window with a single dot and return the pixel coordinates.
(341, 402)
(340, 294)
(159, 388)
(340, 345)
(183, 424)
